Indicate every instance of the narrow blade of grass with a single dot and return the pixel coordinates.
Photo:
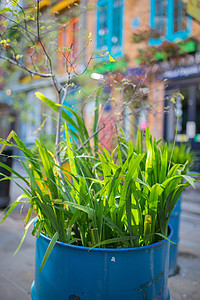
(49, 249)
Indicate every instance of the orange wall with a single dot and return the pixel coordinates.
(134, 9)
(91, 27)
(196, 30)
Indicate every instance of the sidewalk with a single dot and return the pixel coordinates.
(17, 273)
(186, 285)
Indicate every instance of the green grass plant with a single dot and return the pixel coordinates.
(119, 199)
(181, 154)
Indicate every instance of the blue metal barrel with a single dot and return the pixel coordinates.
(174, 221)
(74, 272)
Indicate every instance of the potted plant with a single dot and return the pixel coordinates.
(183, 156)
(179, 154)
(102, 225)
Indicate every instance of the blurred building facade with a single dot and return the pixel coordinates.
(18, 91)
(174, 68)
(114, 26)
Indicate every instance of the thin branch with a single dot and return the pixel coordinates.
(60, 102)
(53, 76)
(91, 57)
(17, 63)
(65, 93)
(40, 41)
(24, 28)
(97, 131)
(105, 104)
(58, 131)
(31, 57)
(25, 24)
(85, 143)
(80, 53)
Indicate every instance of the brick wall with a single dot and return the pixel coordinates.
(134, 9)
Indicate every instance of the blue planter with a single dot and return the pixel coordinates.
(174, 221)
(74, 272)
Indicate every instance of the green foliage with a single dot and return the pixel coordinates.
(32, 37)
(163, 176)
(48, 140)
(181, 154)
(118, 199)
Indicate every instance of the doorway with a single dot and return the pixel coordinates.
(182, 98)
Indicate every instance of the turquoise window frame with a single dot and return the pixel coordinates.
(109, 3)
(170, 34)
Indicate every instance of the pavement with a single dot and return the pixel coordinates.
(17, 272)
(186, 284)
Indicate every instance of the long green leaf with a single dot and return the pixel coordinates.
(190, 180)
(55, 107)
(49, 249)
(24, 234)
(164, 165)
(48, 168)
(14, 172)
(96, 118)
(139, 142)
(12, 207)
(116, 240)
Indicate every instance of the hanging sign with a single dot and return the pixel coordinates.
(193, 9)
(185, 66)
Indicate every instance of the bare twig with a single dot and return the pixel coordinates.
(40, 41)
(58, 131)
(23, 67)
(85, 143)
(31, 57)
(24, 28)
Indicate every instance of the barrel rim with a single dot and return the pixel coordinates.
(157, 244)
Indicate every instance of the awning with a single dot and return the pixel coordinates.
(62, 5)
(44, 3)
(193, 9)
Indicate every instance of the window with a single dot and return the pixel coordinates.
(67, 39)
(180, 17)
(161, 16)
(109, 26)
(169, 18)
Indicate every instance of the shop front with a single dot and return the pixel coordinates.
(182, 97)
